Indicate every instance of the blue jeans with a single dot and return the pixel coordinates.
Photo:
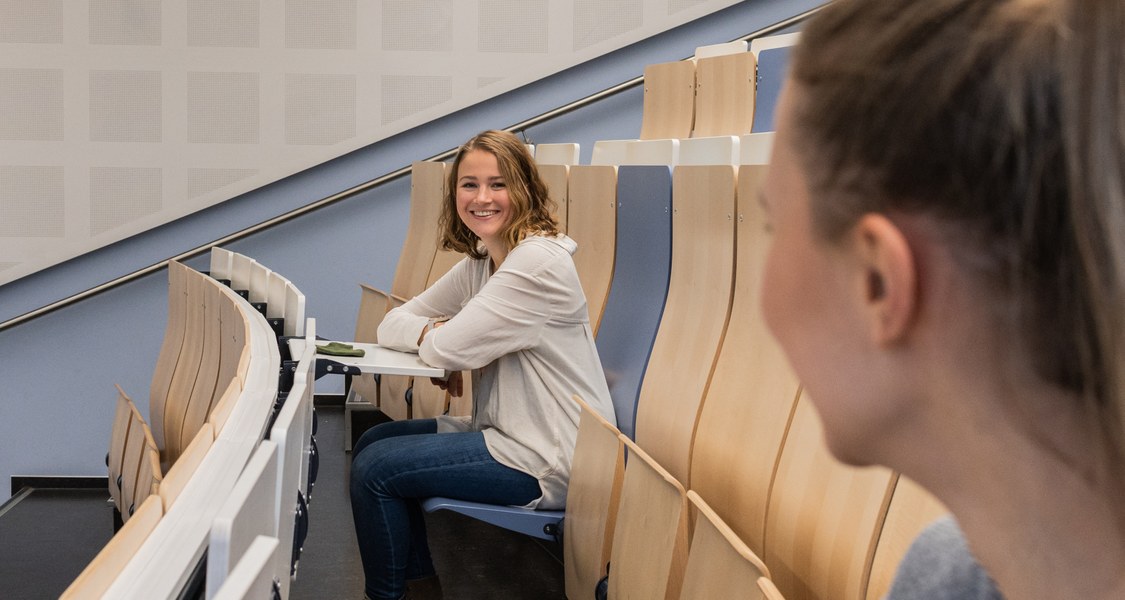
(396, 464)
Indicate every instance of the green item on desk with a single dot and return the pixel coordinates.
(339, 349)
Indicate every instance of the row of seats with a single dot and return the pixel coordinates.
(709, 400)
(727, 480)
(704, 110)
(237, 490)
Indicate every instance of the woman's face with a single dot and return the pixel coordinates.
(482, 197)
(812, 303)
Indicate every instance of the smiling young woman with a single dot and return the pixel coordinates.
(947, 275)
(514, 313)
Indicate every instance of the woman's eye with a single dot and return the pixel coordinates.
(498, 186)
(468, 186)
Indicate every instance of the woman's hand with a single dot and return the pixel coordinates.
(454, 384)
(428, 328)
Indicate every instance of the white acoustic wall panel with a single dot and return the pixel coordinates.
(126, 106)
(417, 25)
(320, 24)
(117, 116)
(125, 22)
(517, 26)
(223, 23)
(223, 107)
(31, 202)
(600, 20)
(121, 195)
(26, 22)
(319, 108)
(31, 104)
(405, 95)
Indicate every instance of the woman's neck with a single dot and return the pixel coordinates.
(1028, 504)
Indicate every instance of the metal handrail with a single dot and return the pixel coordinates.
(363, 187)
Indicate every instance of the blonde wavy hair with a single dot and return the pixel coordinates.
(531, 206)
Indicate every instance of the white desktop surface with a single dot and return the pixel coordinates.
(376, 359)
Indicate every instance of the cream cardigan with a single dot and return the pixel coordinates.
(525, 331)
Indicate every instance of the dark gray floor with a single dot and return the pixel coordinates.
(49, 536)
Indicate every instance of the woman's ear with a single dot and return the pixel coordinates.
(890, 278)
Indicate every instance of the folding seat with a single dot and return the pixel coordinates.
(773, 59)
(719, 563)
(596, 476)
(750, 400)
(203, 392)
(642, 265)
(667, 117)
(174, 409)
(593, 225)
(427, 184)
(171, 346)
(650, 537)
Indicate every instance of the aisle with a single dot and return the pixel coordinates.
(473, 559)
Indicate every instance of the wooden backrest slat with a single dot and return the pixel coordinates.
(695, 315)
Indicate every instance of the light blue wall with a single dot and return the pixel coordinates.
(57, 372)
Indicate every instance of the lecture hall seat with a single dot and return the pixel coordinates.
(650, 537)
(750, 401)
(688, 340)
(823, 518)
(719, 564)
(642, 266)
(596, 476)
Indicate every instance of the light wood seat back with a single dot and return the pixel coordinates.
(373, 306)
(596, 475)
(669, 100)
(180, 474)
(187, 369)
(118, 439)
(912, 509)
(140, 462)
(719, 563)
(171, 346)
(96, 578)
(556, 154)
(234, 351)
(593, 225)
(203, 393)
(824, 517)
(751, 397)
(724, 94)
(427, 185)
(427, 189)
(555, 177)
(428, 399)
(695, 315)
(650, 538)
